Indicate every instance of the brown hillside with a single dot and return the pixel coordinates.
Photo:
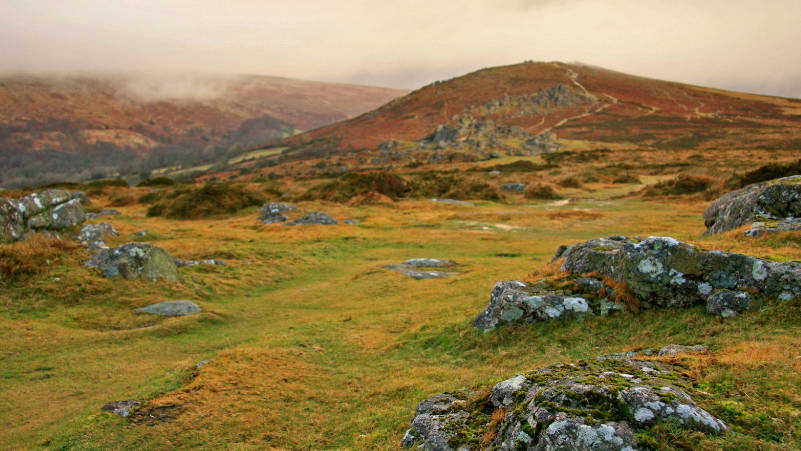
(626, 108)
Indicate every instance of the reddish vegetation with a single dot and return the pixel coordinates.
(627, 108)
(38, 113)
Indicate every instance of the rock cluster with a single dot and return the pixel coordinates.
(272, 212)
(772, 206)
(602, 275)
(135, 260)
(52, 209)
(587, 405)
(485, 135)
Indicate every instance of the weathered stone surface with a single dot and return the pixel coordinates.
(172, 308)
(681, 349)
(654, 272)
(514, 302)
(315, 217)
(214, 262)
(94, 233)
(271, 213)
(421, 268)
(586, 406)
(514, 187)
(454, 202)
(760, 228)
(760, 202)
(134, 260)
(121, 408)
(46, 210)
(12, 227)
(729, 303)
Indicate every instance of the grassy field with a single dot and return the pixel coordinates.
(314, 346)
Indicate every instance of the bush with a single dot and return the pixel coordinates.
(765, 173)
(121, 200)
(106, 182)
(627, 178)
(352, 184)
(157, 181)
(540, 191)
(211, 199)
(31, 257)
(521, 166)
(570, 182)
(682, 184)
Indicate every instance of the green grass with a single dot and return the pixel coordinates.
(316, 346)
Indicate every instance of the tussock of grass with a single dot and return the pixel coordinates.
(540, 191)
(212, 199)
(37, 255)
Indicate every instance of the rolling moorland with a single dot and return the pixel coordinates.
(56, 128)
(313, 337)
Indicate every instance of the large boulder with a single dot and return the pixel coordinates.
(607, 274)
(768, 203)
(587, 406)
(51, 209)
(135, 260)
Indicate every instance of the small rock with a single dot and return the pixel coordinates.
(171, 308)
(181, 263)
(454, 202)
(312, 218)
(352, 221)
(680, 349)
(139, 234)
(514, 187)
(101, 213)
(121, 408)
(494, 173)
(428, 263)
(134, 260)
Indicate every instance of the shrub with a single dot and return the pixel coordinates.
(106, 182)
(627, 178)
(157, 181)
(211, 199)
(521, 166)
(682, 184)
(121, 200)
(765, 173)
(570, 182)
(352, 184)
(540, 191)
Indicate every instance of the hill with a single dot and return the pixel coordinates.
(526, 108)
(53, 128)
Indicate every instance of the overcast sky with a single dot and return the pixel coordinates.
(737, 44)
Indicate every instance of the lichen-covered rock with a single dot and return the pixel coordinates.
(272, 212)
(772, 200)
(681, 349)
(514, 187)
(315, 217)
(586, 406)
(764, 226)
(423, 268)
(94, 233)
(63, 216)
(171, 308)
(729, 303)
(12, 227)
(135, 260)
(513, 302)
(654, 272)
(51, 209)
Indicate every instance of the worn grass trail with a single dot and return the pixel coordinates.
(329, 350)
